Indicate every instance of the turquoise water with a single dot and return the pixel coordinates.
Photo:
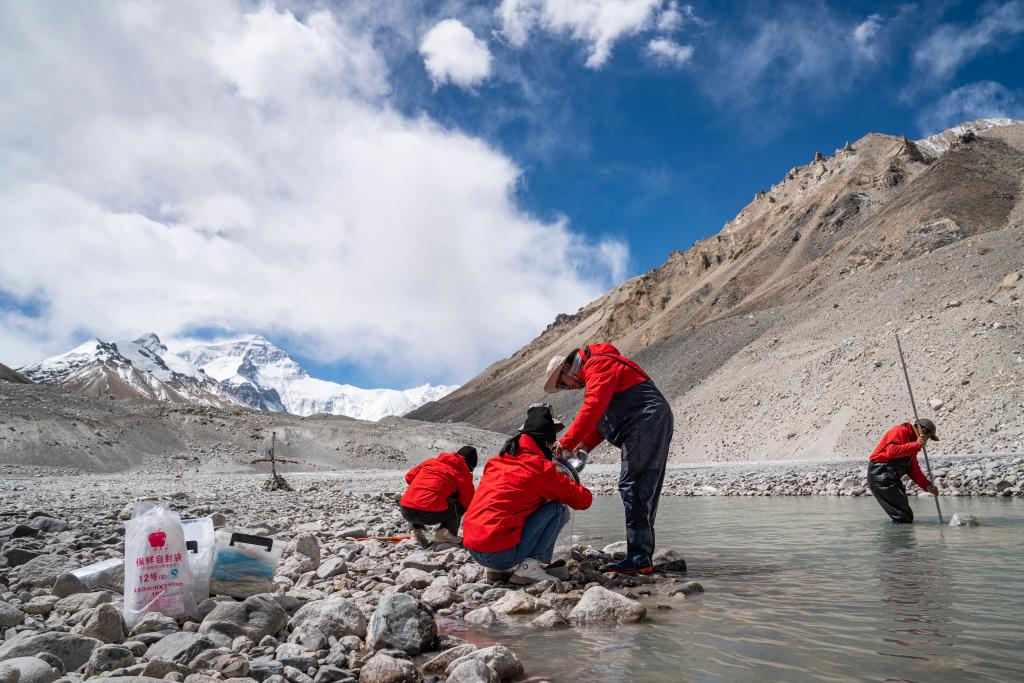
(808, 589)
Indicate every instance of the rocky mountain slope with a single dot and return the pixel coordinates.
(43, 426)
(775, 337)
(249, 371)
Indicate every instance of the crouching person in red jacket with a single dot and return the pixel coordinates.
(440, 491)
(895, 456)
(520, 505)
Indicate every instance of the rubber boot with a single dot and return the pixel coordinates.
(639, 548)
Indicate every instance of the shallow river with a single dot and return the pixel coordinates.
(807, 589)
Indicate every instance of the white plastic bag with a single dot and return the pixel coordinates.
(156, 572)
(199, 542)
(244, 564)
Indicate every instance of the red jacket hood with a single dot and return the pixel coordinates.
(434, 481)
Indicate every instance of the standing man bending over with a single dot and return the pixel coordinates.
(895, 456)
(620, 404)
(440, 491)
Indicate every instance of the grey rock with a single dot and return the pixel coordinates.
(104, 623)
(28, 670)
(181, 647)
(403, 623)
(82, 601)
(472, 671)
(10, 615)
(255, 617)
(484, 616)
(382, 668)
(132, 679)
(516, 602)
(108, 658)
(154, 622)
(411, 577)
(42, 571)
(70, 648)
(500, 659)
(337, 617)
(331, 568)
(332, 674)
(438, 664)
(548, 619)
(262, 669)
(600, 605)
(68, 584)
(688, 588)
(668, 560)
(159, 668)
(232, 665)
(40, 605)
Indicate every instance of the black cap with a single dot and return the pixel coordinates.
(925, 423)
(468, 454)
(539, 424)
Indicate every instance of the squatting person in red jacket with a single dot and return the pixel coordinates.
(440, 491)
(519, 507)
(620, 404)
(895, 456)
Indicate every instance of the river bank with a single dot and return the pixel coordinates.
(341, 609)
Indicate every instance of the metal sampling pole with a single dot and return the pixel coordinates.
(913, 404)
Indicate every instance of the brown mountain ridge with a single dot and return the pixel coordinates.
(774, 337)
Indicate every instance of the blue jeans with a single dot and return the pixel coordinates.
(538, 539)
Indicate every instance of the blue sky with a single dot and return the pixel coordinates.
(404, 193)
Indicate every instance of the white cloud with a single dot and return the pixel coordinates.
(942, 54)
(672, 17)
(980, 100)
(667, 51)
(209, 167)
(599, 23)
(864, 36)
(452, 54)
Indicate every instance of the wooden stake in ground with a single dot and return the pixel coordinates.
(913, 405)
(276, 481)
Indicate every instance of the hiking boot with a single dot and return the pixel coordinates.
(638, 564)
(529, 571)
(420, 536)
(495, 575)
(442, 535)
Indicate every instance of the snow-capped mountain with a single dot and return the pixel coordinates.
(142, 368)
(940, 143)
(254, 363)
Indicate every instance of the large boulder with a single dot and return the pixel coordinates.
(602, 606)
(403, 623)
(28, 670)
(501, 660)
(382, 668)
(336, 617)
(70, 648)
(255, 617)
(180, 647)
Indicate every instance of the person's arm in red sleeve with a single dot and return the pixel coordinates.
(903, 450)
(561, 489)
(601, 382)
(917, 475)
(465, 486)
(592, 440)
(411, 474)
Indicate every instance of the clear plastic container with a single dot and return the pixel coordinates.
(244, 564)
(105, 575)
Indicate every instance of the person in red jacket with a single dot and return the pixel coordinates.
(519, 507)
(620, 404)
(895, 456)
(440, 491)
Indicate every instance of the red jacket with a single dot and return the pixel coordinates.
(513, 488)
(605, 374)
(434, 481)
(901, 442)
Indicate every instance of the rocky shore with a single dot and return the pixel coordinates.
(341, 609)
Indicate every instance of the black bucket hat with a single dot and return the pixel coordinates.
(925, 423)
(468, 454)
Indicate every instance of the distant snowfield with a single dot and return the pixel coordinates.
(248, 371)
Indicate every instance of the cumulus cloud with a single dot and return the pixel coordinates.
(452, 54)
(215, 166)
(942, 54)
(598, 23)
(668, 52)
(980, 100)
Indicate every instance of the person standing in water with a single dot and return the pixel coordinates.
(620, 405)
(894, 456)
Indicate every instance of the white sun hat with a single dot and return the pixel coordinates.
(553, 371)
